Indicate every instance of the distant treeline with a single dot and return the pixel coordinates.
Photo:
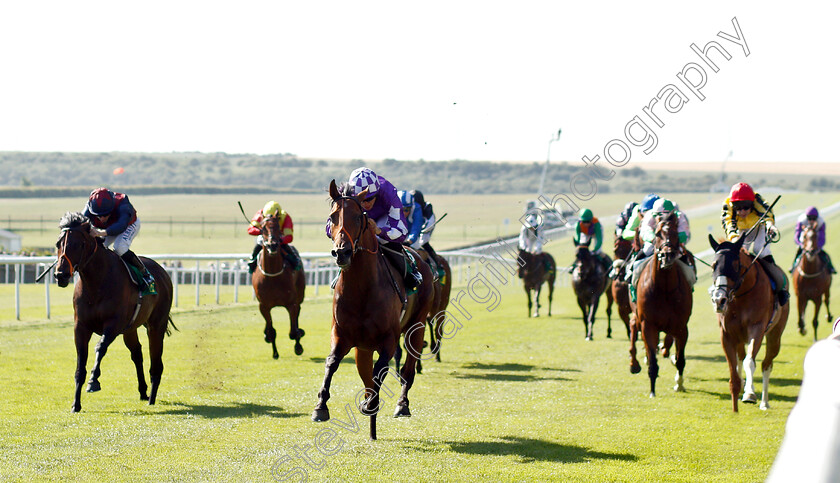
(75, 174)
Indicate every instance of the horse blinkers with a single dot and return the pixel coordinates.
(270, 238)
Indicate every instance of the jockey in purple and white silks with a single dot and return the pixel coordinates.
(385, 209)
(811, 216)
(382, 204)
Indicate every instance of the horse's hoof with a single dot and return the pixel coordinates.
(609, 335)
(679, 388)
(419, 367)
(93, 386)
(425, 344)
(275, 356)
(144, 397)
(764, 406)
(802, 331)
(635, 368)
(652, 395)
(588, 337)
(298, 349)
(320, 415)
(749, 398)
(76, 408)
(402, 412)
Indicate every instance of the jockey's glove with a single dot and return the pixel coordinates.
(94, 231)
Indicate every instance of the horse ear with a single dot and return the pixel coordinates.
(713, 243)
(363, 195)
(739, 242)
(334, 191)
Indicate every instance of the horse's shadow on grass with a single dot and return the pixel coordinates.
(725, 396)
(495, 372)
(222, 410)
(529, 450)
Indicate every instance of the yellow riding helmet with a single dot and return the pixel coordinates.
(272, 208)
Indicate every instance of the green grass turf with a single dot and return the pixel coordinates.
(515, 399)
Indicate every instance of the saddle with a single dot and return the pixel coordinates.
(136, 276)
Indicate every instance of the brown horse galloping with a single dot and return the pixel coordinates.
(589, 280)
(747, 312)
(536, 270)
(619, 290)
(370, 309)
(663, 303)
(811, 280)
(278, 284)
(106, 302)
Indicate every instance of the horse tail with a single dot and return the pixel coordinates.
(170, 323)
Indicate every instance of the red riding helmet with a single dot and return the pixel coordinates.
(741, 192)
(101, 202)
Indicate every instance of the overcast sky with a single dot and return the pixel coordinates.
(476, 80)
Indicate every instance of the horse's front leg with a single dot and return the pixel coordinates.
(109, 334)
(828, 317)
(82, 339)
(270, 333)
(651, 335)
(537, 300)
(528, 293)
(816, 321)
(321, 412)
(295, 332)
(730, 352)
(414, 349)
(755, 338)
(590, 322)
(801, 303)
(633, 333)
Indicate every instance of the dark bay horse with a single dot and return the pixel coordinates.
(106, 302)
(811, 280)
(537, 270)
(619, 290)
(663, 302)
(370, 309)
(278, 284)
(589, 280)
(747, 313)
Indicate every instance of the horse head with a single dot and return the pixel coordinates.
(726, 272)
(809, 241)
(351, 226)
(270, 231)
(74, 247)
(584, 262)
(667, 242)
(622, 247)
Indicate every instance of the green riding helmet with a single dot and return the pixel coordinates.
(585, 214)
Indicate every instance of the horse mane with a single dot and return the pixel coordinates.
(344, 189)
(72, 220)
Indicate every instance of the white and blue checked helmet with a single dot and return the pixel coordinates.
(363, 178)
(406, 198)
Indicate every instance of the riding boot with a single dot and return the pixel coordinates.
(252, 264)
(146, 280)
(827, 261)
(396, 254)
(795, 259)
(433, 254)
(779, 278)
(291, 256)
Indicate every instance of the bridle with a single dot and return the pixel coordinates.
(355, 245)
(82, 263)
(721, 282)
(661, 252)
